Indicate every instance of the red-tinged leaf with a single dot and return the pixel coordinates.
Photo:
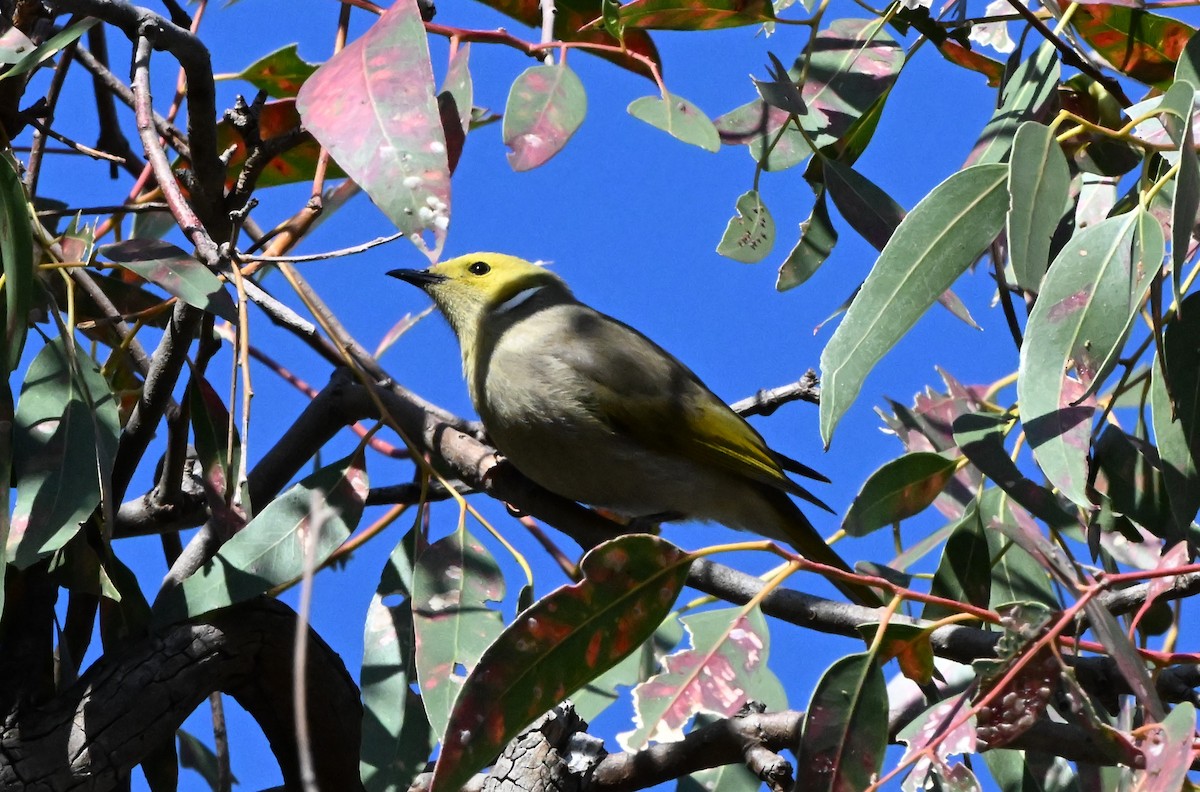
(454, 581)
(907, 644)
(565, 639)
(936, 728)
(845, 731)
(970, 59)
(373, 106)
(572, 22)
(545, 107)
(297, 164)
(1142, 45)
(306, 523)
(1168, 751)
(726, 667)
(898, 490)
(280, 73)
(173, 270)
(63, 445)
(217, 443)
(1017, 707)
(694, 14)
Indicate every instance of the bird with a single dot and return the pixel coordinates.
(591, 409)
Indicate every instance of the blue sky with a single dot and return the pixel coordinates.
(631, 218)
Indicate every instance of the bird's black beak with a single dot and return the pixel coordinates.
(419, 278)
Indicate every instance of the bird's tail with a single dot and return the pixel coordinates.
(792, 526)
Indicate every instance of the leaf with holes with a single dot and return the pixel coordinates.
(677, 117)
(570, 636)
(173, 270)
(373, 106)
(454, 581)
(546, 105)
(312, 519)
(725, 667)
(750, 234)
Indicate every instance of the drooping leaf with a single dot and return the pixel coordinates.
(218, 446)
(817, 238)
(173, 270)
(897, 490)
(195, 755)
(970, 59)
(845, 729)
(1038, 183)
(867, 208)
(554, 647)
(396, 737)
(1142, 45)
(694, 14)
(1177, 105)
(725, 667)
(908, 644)
(454, 581)
(458, 83)
(1082, 315)
(1027, 93)
(1177, 449)
(50, 47)
(1128, 473)
(750, 234)
(677, 117)
(964, 570)
(64, 442)
(546, 104)
(271, 550)
(935, 243)
(16, 261)
(279, 73)
(373, 106)
(1113, 637)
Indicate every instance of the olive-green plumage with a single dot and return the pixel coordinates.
(592, 410)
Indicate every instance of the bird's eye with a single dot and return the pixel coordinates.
(479, 268)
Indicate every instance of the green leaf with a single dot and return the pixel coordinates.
(725, 667)
(50, 47)
(64, 443)
(1038, 183)
(1080, 320)
(1177, 449)
(1029, 89)
(869, 210)
(280, 73)
(964, 573)
(897, 490)
(1177, 118)
(173, 270)
(16, 261)
(694, 14)
(195, 755)
(458, 83)
(1132, 668)
(218, 446)
(677, 117)
(750, 234)
(935, 243)
(817, 238)
(383, 126)
(568, 637)
(1167, 767)
(845, 730)
(454, 580)
(396, 738)
(546, 105)
(269, 553)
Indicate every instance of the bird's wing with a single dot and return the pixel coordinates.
(637, 384)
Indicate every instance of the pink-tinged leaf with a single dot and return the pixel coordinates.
(1142, 45)
(454, 581)
(545, 106)
(1080, 318)
(557, 645)
(14, 45)
(932, 728)
(898, 490)
(1168, 748)
(280, 73)
(845, 731)
(573, 22)
(726, 667)
(373, 107)
(64, 441)
(406, 323)
(306, 523)
(216, 438)
(694, 14)
(173, 270)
